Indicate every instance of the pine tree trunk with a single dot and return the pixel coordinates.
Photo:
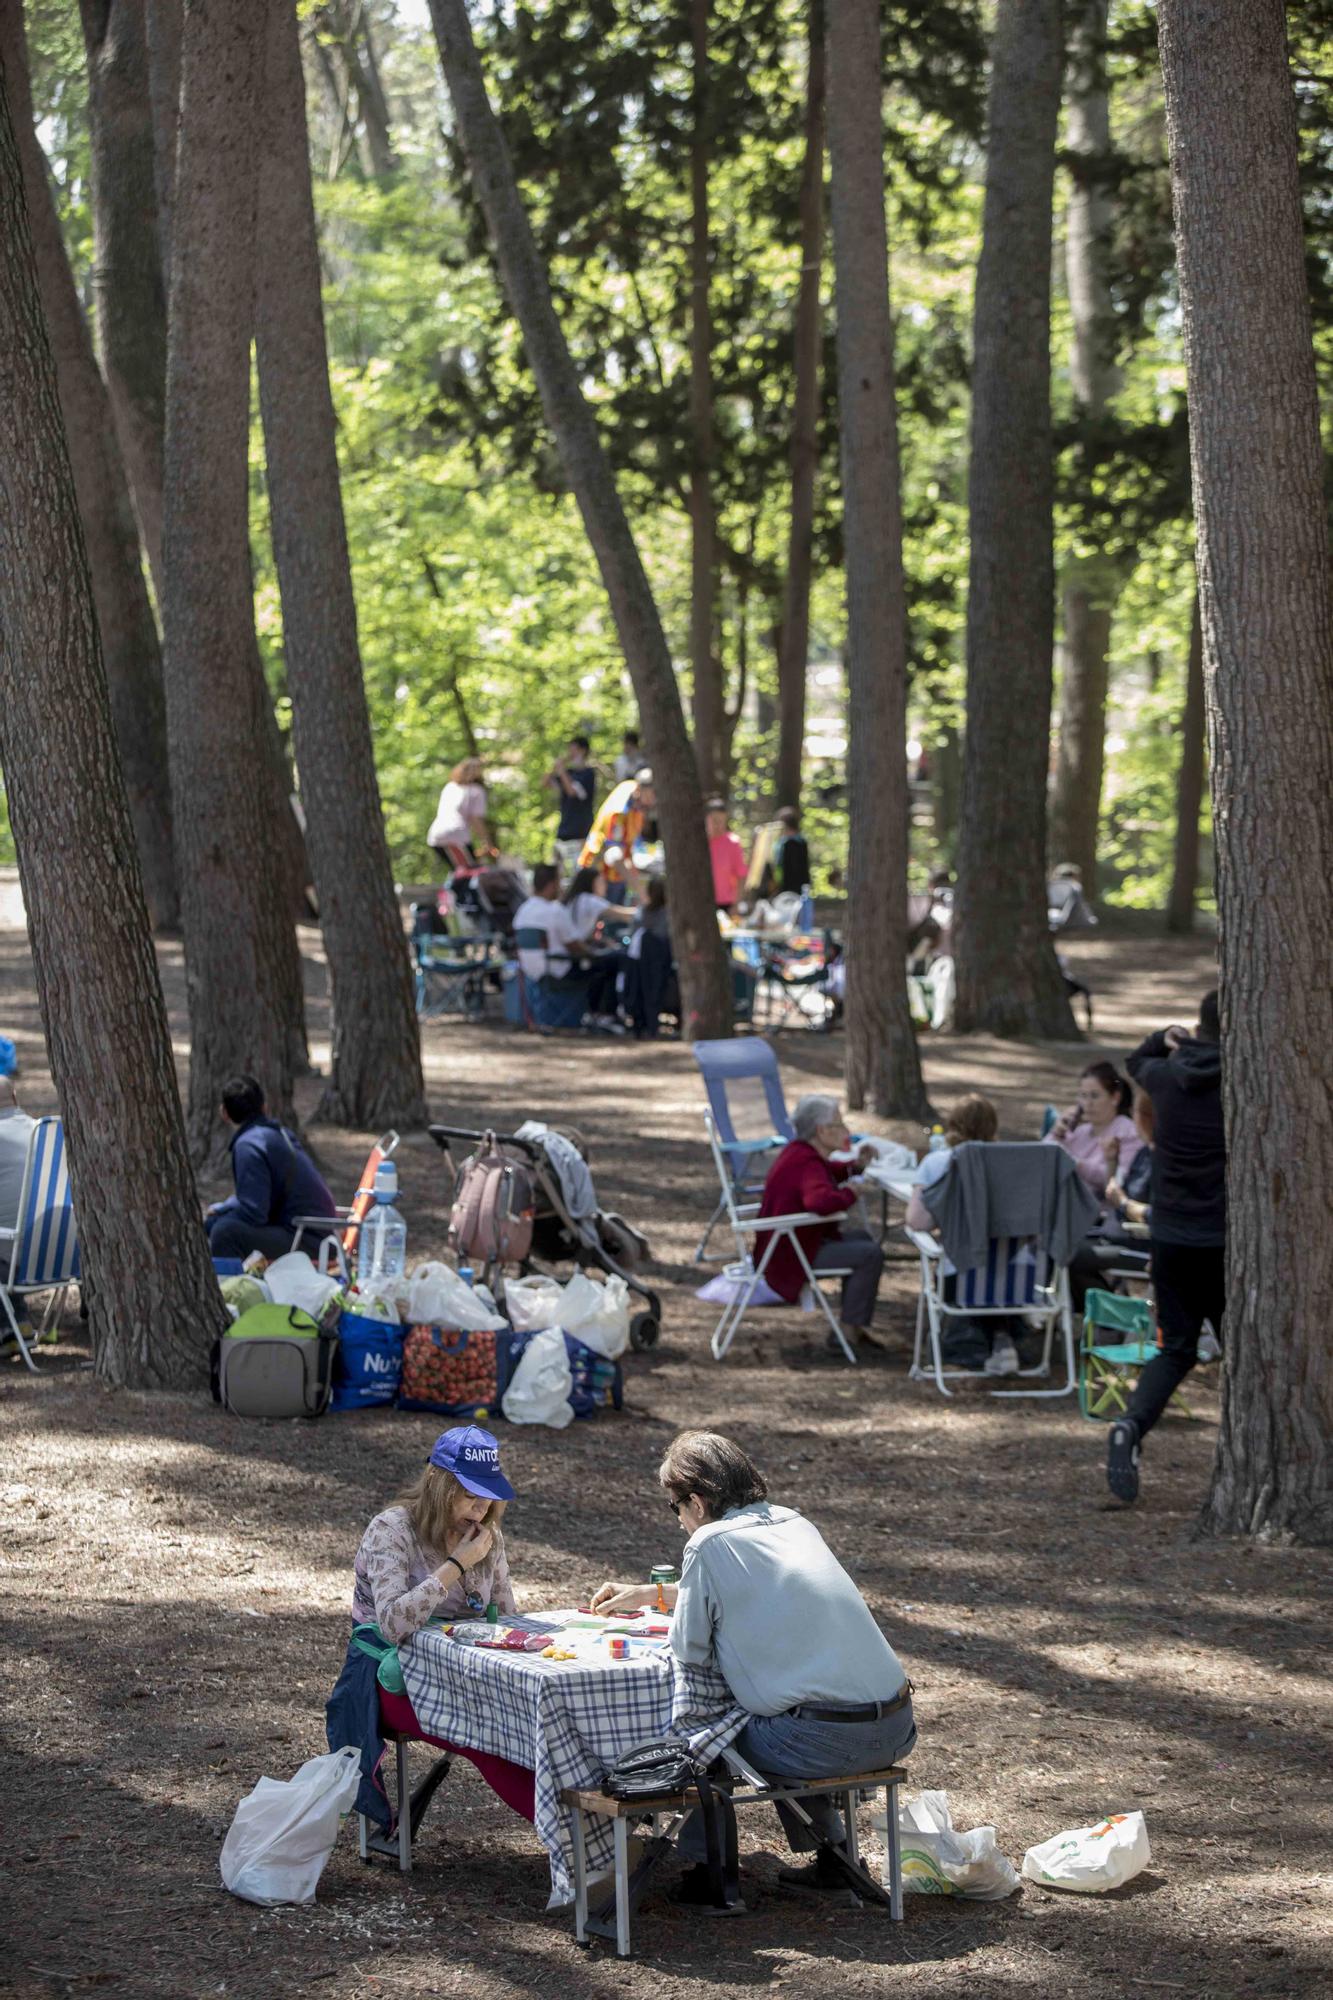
(376, 1075)
(1263, 555)
(702, 964)
(705, 665)
(1090, 587)
(883, 1069)
(163, 20)
(129, 644)
(794, 644)
(1189, 790)
(127, 272)
(154, 1306)
(243, 974)
(1008, 980)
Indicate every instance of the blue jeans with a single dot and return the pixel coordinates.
(798, 1746)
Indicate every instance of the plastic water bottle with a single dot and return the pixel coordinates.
(383, 1252)
(936, 1142)
(805, 916)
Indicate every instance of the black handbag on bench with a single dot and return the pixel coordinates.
(667, 1767)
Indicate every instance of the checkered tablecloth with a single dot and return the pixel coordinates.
(566, 1720)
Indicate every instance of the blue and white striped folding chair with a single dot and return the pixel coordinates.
(749, 1114)
(1016, 1278)
(43, 1246)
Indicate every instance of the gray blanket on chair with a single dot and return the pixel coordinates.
(992, 1190)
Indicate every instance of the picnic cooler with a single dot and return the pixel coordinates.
(370, 1363)
(274, 1362)
(460, 1374)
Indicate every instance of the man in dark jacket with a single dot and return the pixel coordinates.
(1182, 1074)
(276, 1181)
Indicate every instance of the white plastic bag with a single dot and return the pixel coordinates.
(437, 1296)
(1091, 1858)
(728, 1285)
(284, 1832)
(539, 1389)
(940, 1861)
(533, 1304)
(293, 1281)
(598, 1315)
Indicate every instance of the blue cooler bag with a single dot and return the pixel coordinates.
(369, 1367)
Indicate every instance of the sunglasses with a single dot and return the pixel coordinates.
(675, 1506)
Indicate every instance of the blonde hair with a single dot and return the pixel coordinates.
(971, 1118)
(469, 772)
(433, 1503)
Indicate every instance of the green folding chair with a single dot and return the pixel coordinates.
(1109, 1366)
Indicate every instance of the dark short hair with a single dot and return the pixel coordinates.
(242, 1098)
(1115, 1085)
(630, 736)
(788, 816)
(584, 742)
(713, 1467)
(1210, 1020)
(543, 875)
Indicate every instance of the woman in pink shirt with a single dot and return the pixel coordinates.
(728, 856)
(1098, 1134)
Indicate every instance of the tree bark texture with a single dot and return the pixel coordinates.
(702, 964)
(346, 26)
(883, 1069)
(163, 22)
(131, 654)
(154, 1306)
(705, 665)
(1263, 556)
(127, 259)
(1008, 979)
(243, 975)
(794, 642)
(1190, 774)
(376, 1071)
(1090, 587)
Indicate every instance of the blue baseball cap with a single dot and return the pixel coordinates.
(473, 1457)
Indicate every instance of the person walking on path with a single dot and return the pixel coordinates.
(1182, 1074)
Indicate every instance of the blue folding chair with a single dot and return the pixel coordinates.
(43, 1245)
(547, 1002)
(750, 1117)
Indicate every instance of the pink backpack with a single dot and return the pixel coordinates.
(493, 1207)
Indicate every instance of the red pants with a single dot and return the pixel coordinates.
(514, 1783)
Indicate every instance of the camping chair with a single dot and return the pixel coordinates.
(790, 990)
(1108, 1369)
(745, 1099)
(745, 1225)
(43, 1245)
(547, 1002)
(350, 1218)
(450, 975)
(1015, 1279)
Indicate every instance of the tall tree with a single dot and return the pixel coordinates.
(794, 635)
(883, 1068)
(705, 666)
(243, 975)
(154, 1305)
(163, 23)
(1090, 584)
(1190, 776)
(1263, 555)
(1008, 979)
(376, 1070)
(129, 643)
(127, 260)
(702, 964)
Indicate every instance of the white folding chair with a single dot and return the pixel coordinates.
(746, 1223)
(1016, 1279)
(43, 1245)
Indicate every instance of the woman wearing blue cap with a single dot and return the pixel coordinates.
(435, 1555)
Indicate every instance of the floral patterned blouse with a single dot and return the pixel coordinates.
(396, 1587)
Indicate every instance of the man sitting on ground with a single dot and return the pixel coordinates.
(805, 1179)
(277, 1182)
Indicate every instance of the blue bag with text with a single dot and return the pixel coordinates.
(369, 1366)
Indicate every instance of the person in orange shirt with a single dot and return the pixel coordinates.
(730, 866)
(619, 824)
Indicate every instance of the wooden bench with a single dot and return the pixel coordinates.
(747, 1788)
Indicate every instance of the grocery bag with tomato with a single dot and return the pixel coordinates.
(455, 1374)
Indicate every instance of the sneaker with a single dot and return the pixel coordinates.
(1122, 1460)
(694, 1891)
(1003, 1357)
(822, 1878)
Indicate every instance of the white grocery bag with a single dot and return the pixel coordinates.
(540, 1386)
(939, 1861)
(437, 1296)
(284, 1832)
(598, 1315)
(533, 1304)
(1091, 1858)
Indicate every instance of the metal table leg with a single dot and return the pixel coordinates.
(580, 1876)
(404, 1812)
(622, 1887)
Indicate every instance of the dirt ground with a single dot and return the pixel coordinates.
(174, 1590)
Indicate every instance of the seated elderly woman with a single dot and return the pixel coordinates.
(763, 1599)
(805, 1179)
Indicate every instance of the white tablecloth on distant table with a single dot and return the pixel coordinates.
(566, 1720)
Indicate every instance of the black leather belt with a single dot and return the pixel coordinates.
(868, 1711)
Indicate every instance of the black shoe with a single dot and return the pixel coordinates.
(823, 1878)
(1122, 1460)
(695, 1891)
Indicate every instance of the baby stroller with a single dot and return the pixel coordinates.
(486, 899)
(568, 1226)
